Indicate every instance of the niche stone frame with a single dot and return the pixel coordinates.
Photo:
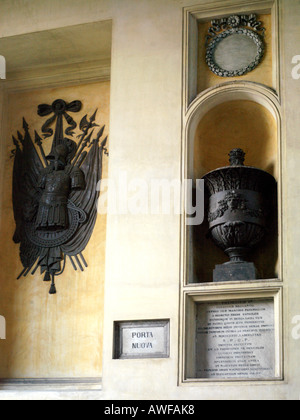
(73, 67)
(196, 105)
(269, 292)
(208, 12)
(206, 102)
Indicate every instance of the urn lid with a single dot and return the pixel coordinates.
(239, 176)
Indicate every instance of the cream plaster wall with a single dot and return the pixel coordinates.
(143, 252)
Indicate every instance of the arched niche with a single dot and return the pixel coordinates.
(244, 115)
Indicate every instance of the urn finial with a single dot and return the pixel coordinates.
(237, 157)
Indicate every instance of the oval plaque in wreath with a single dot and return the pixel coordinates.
(235, 51)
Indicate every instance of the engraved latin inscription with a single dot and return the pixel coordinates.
(235, 339)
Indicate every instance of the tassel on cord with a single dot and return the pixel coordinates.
(47, 276)
(52, 290)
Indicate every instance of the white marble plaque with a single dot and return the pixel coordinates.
(235, 340)
(142, 339)
(235, 52)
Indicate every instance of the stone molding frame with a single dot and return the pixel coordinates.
(54, 385)
(212, 11)
(53, 77)
(199, 107)
(195, 106)
(237, 291)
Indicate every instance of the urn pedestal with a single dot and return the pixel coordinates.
(238, 208)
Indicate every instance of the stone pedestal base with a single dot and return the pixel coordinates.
(234, 272)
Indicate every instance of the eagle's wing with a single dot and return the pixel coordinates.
(26, 173)
(86, 200)
(17, 192)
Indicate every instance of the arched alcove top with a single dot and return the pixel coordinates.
(211, 120)
(228, 92)
(236, 124)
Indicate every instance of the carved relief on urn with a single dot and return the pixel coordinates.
(238, 208)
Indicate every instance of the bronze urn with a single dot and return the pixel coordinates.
(238, 208)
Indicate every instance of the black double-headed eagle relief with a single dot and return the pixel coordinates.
(55, 195)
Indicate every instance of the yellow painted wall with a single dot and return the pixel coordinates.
(243, 124)
(262, 74)
(50, 336)
(235, 124)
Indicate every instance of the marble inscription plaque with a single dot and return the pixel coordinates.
(235, 52)
(235, 340)
(142, 339)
